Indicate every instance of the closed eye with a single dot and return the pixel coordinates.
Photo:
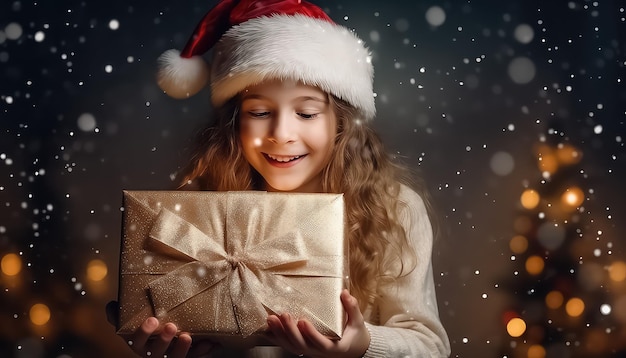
(259, 114)
(307, 115)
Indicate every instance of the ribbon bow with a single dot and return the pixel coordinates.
(250, 268)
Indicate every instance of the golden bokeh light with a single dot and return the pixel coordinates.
(573, 197)
(518, 244)
(548, 163)
(554, 299)
(530, 199)
(11, 264)
(568, 154)
(97, 270)
(536, 351)
(617, 271)
(516, 327)
(39, 314)
(575, 307)
(534, 265)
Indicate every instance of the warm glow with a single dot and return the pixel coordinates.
(11, 264)
(554, 299)
(522, 224)
(516, 327)
(39, 314)
(518, 244)
(573, 197)
(575, 307)
(568, 155)
(536, 351)
(548, 163)
(534, 265)
(617, 271)
(97, 270)
(530, 199)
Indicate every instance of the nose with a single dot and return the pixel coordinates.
(284, 128)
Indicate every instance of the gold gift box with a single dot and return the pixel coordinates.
(217, 263)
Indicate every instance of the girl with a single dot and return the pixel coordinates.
(293, 96)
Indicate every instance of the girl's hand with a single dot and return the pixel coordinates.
(300, 337)
(155, 340)
(163, 341)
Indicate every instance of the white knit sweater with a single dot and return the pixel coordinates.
(405, 321)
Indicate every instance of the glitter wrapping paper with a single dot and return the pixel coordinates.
(217, 263)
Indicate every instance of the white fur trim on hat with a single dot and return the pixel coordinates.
(313, 51)
(181, 77)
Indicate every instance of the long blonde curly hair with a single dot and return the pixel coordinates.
(359, 168)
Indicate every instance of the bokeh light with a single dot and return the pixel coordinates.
(546, 159)
(568, 154)
(435, 16)
(536, 351)
(522, 70)
(530, 199)
(39, 314)
(524, 33)
(534, 265)
(518, 244)
(96, 270)
(550, 235)
(554, 299)
(502, 163)
(617, 271)
(13, 31)
(573, 197)
(11, 264)
(86, 122)
(516, 327)
(575, 307)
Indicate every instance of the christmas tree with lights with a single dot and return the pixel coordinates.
(568, 286)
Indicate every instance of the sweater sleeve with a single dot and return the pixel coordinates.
(407, 308)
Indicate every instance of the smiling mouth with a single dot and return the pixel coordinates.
(283, 158)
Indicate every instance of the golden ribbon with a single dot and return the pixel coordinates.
(249, 266)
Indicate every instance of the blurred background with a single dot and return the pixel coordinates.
(512, 111)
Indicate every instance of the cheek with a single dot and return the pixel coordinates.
(249, 140)
(252, 131)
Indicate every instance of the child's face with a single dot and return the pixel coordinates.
(287, 132)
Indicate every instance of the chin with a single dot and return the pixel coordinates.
(288, 186)
(284, 187)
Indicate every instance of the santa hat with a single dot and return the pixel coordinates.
(259, 40)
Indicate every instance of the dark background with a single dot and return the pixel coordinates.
(453, 102)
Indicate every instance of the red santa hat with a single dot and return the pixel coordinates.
(254, 41)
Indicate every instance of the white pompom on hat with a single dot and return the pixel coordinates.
(260, 40)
